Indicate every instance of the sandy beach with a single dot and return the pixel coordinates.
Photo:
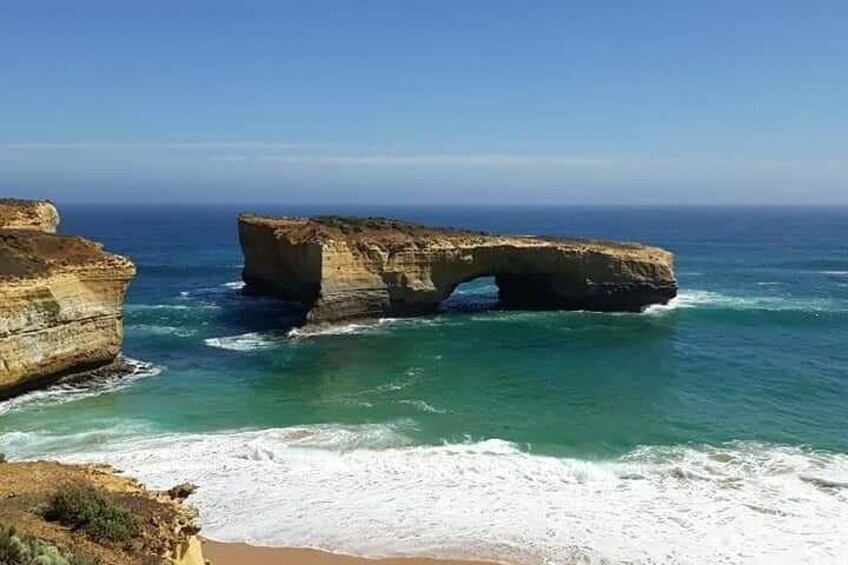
(243, 554)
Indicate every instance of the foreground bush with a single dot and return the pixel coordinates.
(88, 510)
(18, 549)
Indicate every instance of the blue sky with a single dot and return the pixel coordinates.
(425, 102)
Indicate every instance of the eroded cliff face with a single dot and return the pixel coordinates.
(61, 302)
(346, 268)
(39, 215)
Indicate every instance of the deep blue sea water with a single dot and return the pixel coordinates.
(711, 430)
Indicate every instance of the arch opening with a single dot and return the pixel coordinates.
(504, 291)
(473, 295)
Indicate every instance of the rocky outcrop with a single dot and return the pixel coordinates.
(61, 299)
(39, 215)
(348, 268)
(168, 527)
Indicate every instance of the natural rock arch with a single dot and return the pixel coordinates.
(348, 268)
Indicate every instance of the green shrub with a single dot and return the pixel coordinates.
(89, 510)
(358, 224)
(18, 549)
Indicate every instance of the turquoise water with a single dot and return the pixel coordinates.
(516, 434)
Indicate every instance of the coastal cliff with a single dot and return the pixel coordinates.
(353, 268)
(61, 299)
(49, 506)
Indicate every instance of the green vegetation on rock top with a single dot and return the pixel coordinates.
(89, 510)
(369, 222)
(17, 549)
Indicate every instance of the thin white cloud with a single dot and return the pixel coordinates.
(270, 152)
(417, 159)
(154, 145)
(523, 160)
(331, 170)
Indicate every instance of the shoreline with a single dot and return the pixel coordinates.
(236, 553)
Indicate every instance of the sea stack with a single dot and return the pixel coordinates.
(61, 299)
(344, 269)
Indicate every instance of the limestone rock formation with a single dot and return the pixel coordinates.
(350, 268)
(61, 299)
(39, 215)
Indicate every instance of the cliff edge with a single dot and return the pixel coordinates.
(61, 299)
(89, 514)
(342, 268)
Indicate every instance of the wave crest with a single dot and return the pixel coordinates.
(252, 341)
(704, 299)
(157, 330)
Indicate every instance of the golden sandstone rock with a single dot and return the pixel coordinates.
(61, 299)
(39, 215)
(354, 268)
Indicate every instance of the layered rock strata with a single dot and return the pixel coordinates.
(61, 299)
(39, 215)
(353, 268)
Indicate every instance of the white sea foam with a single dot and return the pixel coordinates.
(253, 341)
(256, 340)
(422, 406)
(364, 490)
(336, 329)
(505, 316)
(411, 377)
(144, 307)
(22, 444)
(340, 329)
(715, 300)
(835, 273)
(686, 299)
(62, 393)
(235, 285)
(152, 329)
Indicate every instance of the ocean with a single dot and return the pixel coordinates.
(710, 430)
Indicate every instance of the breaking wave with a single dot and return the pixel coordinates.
(714, 300)
(152, 329)
(252, 341)
(366, 490)
(339, 329)
(224, 290)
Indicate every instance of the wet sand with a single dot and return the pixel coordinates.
(243, 554)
